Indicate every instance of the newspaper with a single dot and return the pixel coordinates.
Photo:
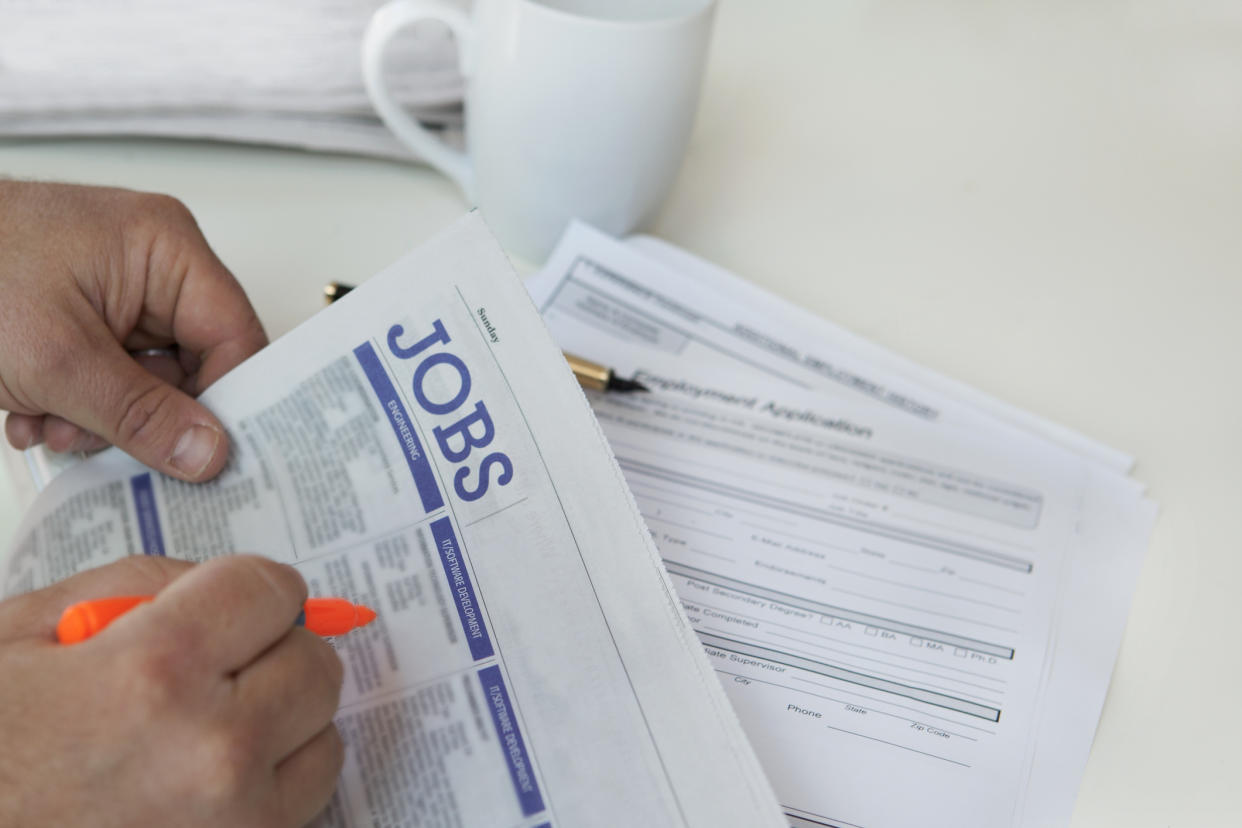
(421, 447)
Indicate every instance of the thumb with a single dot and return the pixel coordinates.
(136, 411)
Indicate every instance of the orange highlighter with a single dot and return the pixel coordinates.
(324, 616)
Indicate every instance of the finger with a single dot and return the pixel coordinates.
(306, 780)
(108, 393)
(34, 615)
(190, 364)
(63, 436)
(193, 295)
(227, 610)
(165, 366)
(292, 690)
(141, 340)
(215, 321)
(23, 431)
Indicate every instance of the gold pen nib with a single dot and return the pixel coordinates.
(598, 377)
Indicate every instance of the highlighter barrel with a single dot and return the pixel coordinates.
(322, 616)
(85, 618)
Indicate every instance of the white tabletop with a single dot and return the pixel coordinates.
(1041, 199)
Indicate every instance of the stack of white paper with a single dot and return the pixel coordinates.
(913, 593)
(263, 71)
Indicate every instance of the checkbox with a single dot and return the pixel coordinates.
(959, 652)
(871, 631)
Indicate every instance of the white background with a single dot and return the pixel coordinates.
(1043, 199)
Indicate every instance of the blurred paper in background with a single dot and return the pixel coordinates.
(256, 71)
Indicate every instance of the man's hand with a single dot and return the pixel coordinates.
(205, 707)
(89, 276)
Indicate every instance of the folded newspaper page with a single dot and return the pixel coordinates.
(421, 447)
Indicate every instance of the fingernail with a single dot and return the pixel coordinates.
(194, 450)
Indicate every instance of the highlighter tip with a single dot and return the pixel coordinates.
(73, 626)
(365, 615)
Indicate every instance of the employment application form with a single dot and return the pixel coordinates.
(878, 571)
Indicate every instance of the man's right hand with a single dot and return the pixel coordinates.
(204, 707)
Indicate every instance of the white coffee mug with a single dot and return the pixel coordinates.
(573, 109)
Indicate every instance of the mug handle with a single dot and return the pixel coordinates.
(385, 23)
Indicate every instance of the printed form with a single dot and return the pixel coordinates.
(879, 575)
(843, 361)
(421, 447)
